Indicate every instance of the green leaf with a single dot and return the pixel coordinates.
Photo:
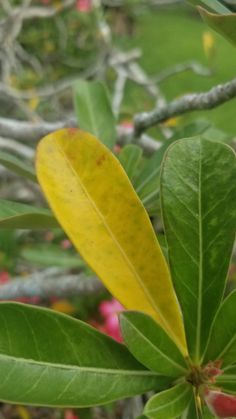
(51, 255)
(191, 411)
(146, 182)
(150, 344)
(225, 25)
(49, 359)
(227, 381)
(217, 135)
(222, 342)
(212, 5)
(94, 112)
(130, 157)
(199, 211)
(169, 403)
(17, 166)
(16, 215)
(206, 414)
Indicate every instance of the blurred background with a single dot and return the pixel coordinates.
(147, 53)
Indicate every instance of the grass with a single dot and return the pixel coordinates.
(174, 35)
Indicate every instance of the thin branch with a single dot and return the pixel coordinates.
(118, 91)
(193, 66)
(44, 12)
(46, 285)
(29, 131)
(187, 103)
(126, 136)
(138, 74)
(16, 147)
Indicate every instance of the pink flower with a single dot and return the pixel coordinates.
(66, 244)
(109, 311)
(112, 327)
(84, 6)
(107, 308)
(4, 277)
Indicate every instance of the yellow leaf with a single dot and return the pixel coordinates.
(95, 203)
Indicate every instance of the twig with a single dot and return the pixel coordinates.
(147, 143)
(139, 74)
(16, 147)
(181, 68)
(191, 102)
(118, 91)
(45, 285)
(28, 131)
(44, 12)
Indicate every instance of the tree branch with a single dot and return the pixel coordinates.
(191, 102)
(46, 284)
(29, 131)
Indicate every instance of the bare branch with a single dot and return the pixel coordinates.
(16, 147)
(193, 66)
(46, 284)
(44, 12)
(191, 102)
(147, 143)
(118, 91)
(29, 131)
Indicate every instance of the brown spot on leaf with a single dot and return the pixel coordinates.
(101, 160)
(72, 131)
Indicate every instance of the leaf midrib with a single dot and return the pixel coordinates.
(200, 267)
(70, 367)
(127, 260)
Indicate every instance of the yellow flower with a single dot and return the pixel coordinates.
(208, 41)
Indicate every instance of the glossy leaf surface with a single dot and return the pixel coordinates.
(170, 403)
(199, 211)
(94, 112)
(149, 343)
(16, 215)
(16, 165)
(98, 208)
(222, 343)
(50, 359)
(130, 157)
(223, 24)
